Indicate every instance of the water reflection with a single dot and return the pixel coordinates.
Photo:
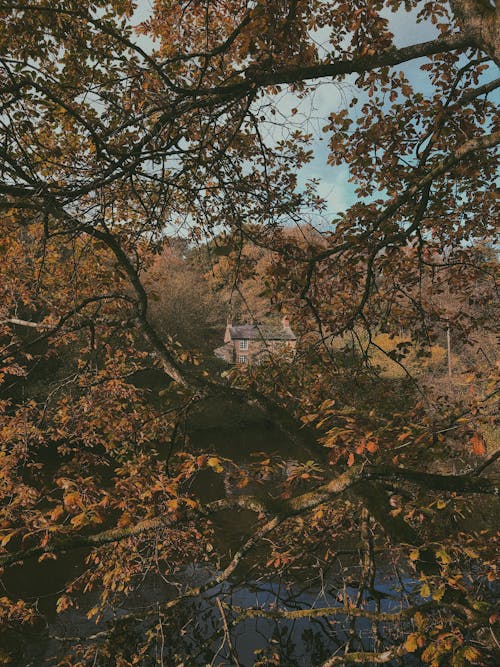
(211, 629)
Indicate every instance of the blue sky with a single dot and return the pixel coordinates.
(313, 111)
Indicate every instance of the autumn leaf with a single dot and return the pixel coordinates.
(478, 444)
(6, 538)
(57, 512)
(438, 594)
(470, 553)
(124, 520)
(471, 654)
(214, 463)
(425, 591)
(63, 603)
(47, 556)
(148, 194)
(411, 643)
(72, 501)
(443, 556)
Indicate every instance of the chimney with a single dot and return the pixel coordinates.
(227, 334)
(285, 321)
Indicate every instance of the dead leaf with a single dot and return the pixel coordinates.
(478, 444)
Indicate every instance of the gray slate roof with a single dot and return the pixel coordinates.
(261, 332)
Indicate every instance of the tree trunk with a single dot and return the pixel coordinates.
(479, 20)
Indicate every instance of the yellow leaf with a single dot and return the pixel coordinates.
(419, 620)
(214, 463)
(7, 538)
(92, 612)
(471, 553)
(471, 654)
(439, 593)
(414, 554)
(57, 513)
(411, 644)
(443, 556)
(79, 520)
(307, 419)
(63, 603)
(425, 591)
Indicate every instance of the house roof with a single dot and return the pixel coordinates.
(261, 332)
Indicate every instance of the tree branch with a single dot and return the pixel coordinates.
(365, 657)
(480, 21)
(282, 509)
(467, 149)
(346, 610)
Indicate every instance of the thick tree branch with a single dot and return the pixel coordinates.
(355, 65)
(480, 22)
(345, 610)
(283, 509)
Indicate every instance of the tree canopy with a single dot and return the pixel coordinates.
(200, 120)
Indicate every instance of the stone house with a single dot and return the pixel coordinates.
(252, 343)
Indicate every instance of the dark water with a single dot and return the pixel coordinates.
(195, 629)
(193, 634)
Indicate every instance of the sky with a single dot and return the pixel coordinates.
(331, 96)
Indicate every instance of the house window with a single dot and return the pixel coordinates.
(243, 359)
(243, 345)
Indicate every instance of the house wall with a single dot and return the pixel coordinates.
(258, 349)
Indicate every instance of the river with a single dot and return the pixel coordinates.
(201, 630)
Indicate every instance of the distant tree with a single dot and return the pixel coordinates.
(182, 303)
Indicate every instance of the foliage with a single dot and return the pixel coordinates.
(115, 138)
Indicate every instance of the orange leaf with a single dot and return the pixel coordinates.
(47, 555)
(57, 512)
(371, 446)
(350, 460)
(478, 444)
(72, 501)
